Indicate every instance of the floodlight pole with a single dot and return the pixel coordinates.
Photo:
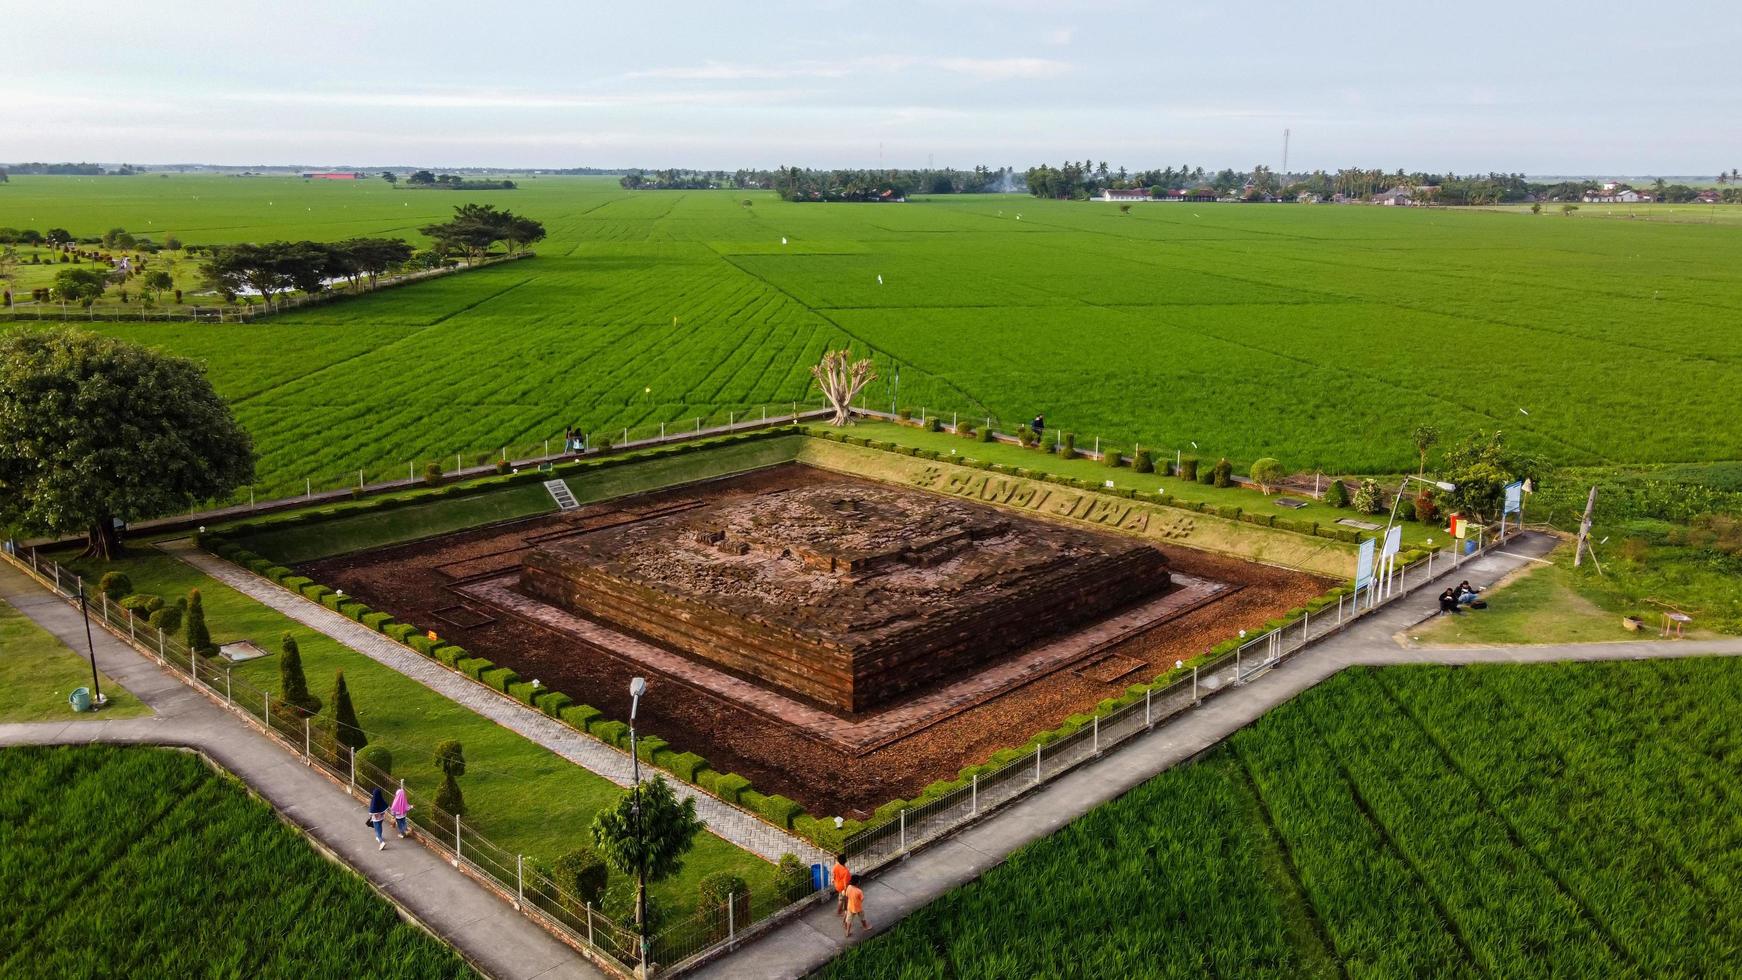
(1391, 560)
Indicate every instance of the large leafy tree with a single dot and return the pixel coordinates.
(94, 429)
(82, 286)
(471, 231)
(1481, 466)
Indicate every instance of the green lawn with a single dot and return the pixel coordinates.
(38, 672)
(1539, 604)
(520, 795)
(144, 862)
(1566, 820)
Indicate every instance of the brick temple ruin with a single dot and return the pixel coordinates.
(847, 594)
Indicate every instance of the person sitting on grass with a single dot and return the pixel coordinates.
(1449, 602)
(1467, 593)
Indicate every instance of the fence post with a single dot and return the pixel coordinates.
(589, 923)
(458, 466)
(731, 916)
(359, 479)
(229, 701)
(1037, 765)
(519, 880)
(1194, 683)
(662, 431)
(308, 488)
(1097, 721)
(1146, 693)
(974, 799)
(266, 701)
(903, 815)
(1237, 664)
(353, 768)
(307, 742)
(194, 665)
(456, 840)
(731, 420)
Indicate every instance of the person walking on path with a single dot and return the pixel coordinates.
(840, 877)
(400, 808)
(855, 897)
(378, 815)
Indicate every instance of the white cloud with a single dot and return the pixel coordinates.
(1061, 37)
(985, 68)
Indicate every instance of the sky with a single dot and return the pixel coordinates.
(1539, 88)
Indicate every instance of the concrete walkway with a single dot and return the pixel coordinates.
(728, 822)
(812, 939)
(493, 937)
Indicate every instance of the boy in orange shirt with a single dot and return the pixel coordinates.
(839, 878)
(855, 907)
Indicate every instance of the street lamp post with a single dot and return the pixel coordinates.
(637, 688)
(96, 686)
(1401, 487)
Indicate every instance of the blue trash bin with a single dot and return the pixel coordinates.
(80, 699)
(818, 881)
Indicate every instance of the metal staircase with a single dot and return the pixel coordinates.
(560, 492)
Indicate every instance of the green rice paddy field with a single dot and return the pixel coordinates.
(1502, 821)
(1320, 335)
(144, 862)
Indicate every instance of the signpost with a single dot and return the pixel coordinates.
(1364, 570)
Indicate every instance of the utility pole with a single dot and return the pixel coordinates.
(1285, 154)
(1585, 530)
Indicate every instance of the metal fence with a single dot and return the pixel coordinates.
(410, 474)
(510, 874)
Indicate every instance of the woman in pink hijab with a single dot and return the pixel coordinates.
(400, 807)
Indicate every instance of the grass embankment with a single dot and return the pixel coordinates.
(1414, 534)
(144, 862)
(519, 794)
(373, 528)
(38, 672)
(1516, 821)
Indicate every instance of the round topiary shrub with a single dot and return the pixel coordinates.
(115, 585)
(1268, 474)
(1188, 468)
(583, 876)
(792, 878)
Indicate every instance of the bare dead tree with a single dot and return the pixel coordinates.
(841, 378)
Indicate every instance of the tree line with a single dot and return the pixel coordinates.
(448, 182)
(805, 184)
(310, 267)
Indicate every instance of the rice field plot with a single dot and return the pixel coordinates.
(1319, 335)
(1519, 821)
(145, 862)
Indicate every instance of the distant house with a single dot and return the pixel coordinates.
(1617, 194)
(333, 175)
(1709, 197)
(1123, 194)
(1307, 197)
(1395, 197)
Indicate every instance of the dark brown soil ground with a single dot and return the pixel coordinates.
(408, 581)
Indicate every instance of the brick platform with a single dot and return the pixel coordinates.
(849, 593)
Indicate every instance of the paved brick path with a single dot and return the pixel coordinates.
(487, 931)
(727, 822)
